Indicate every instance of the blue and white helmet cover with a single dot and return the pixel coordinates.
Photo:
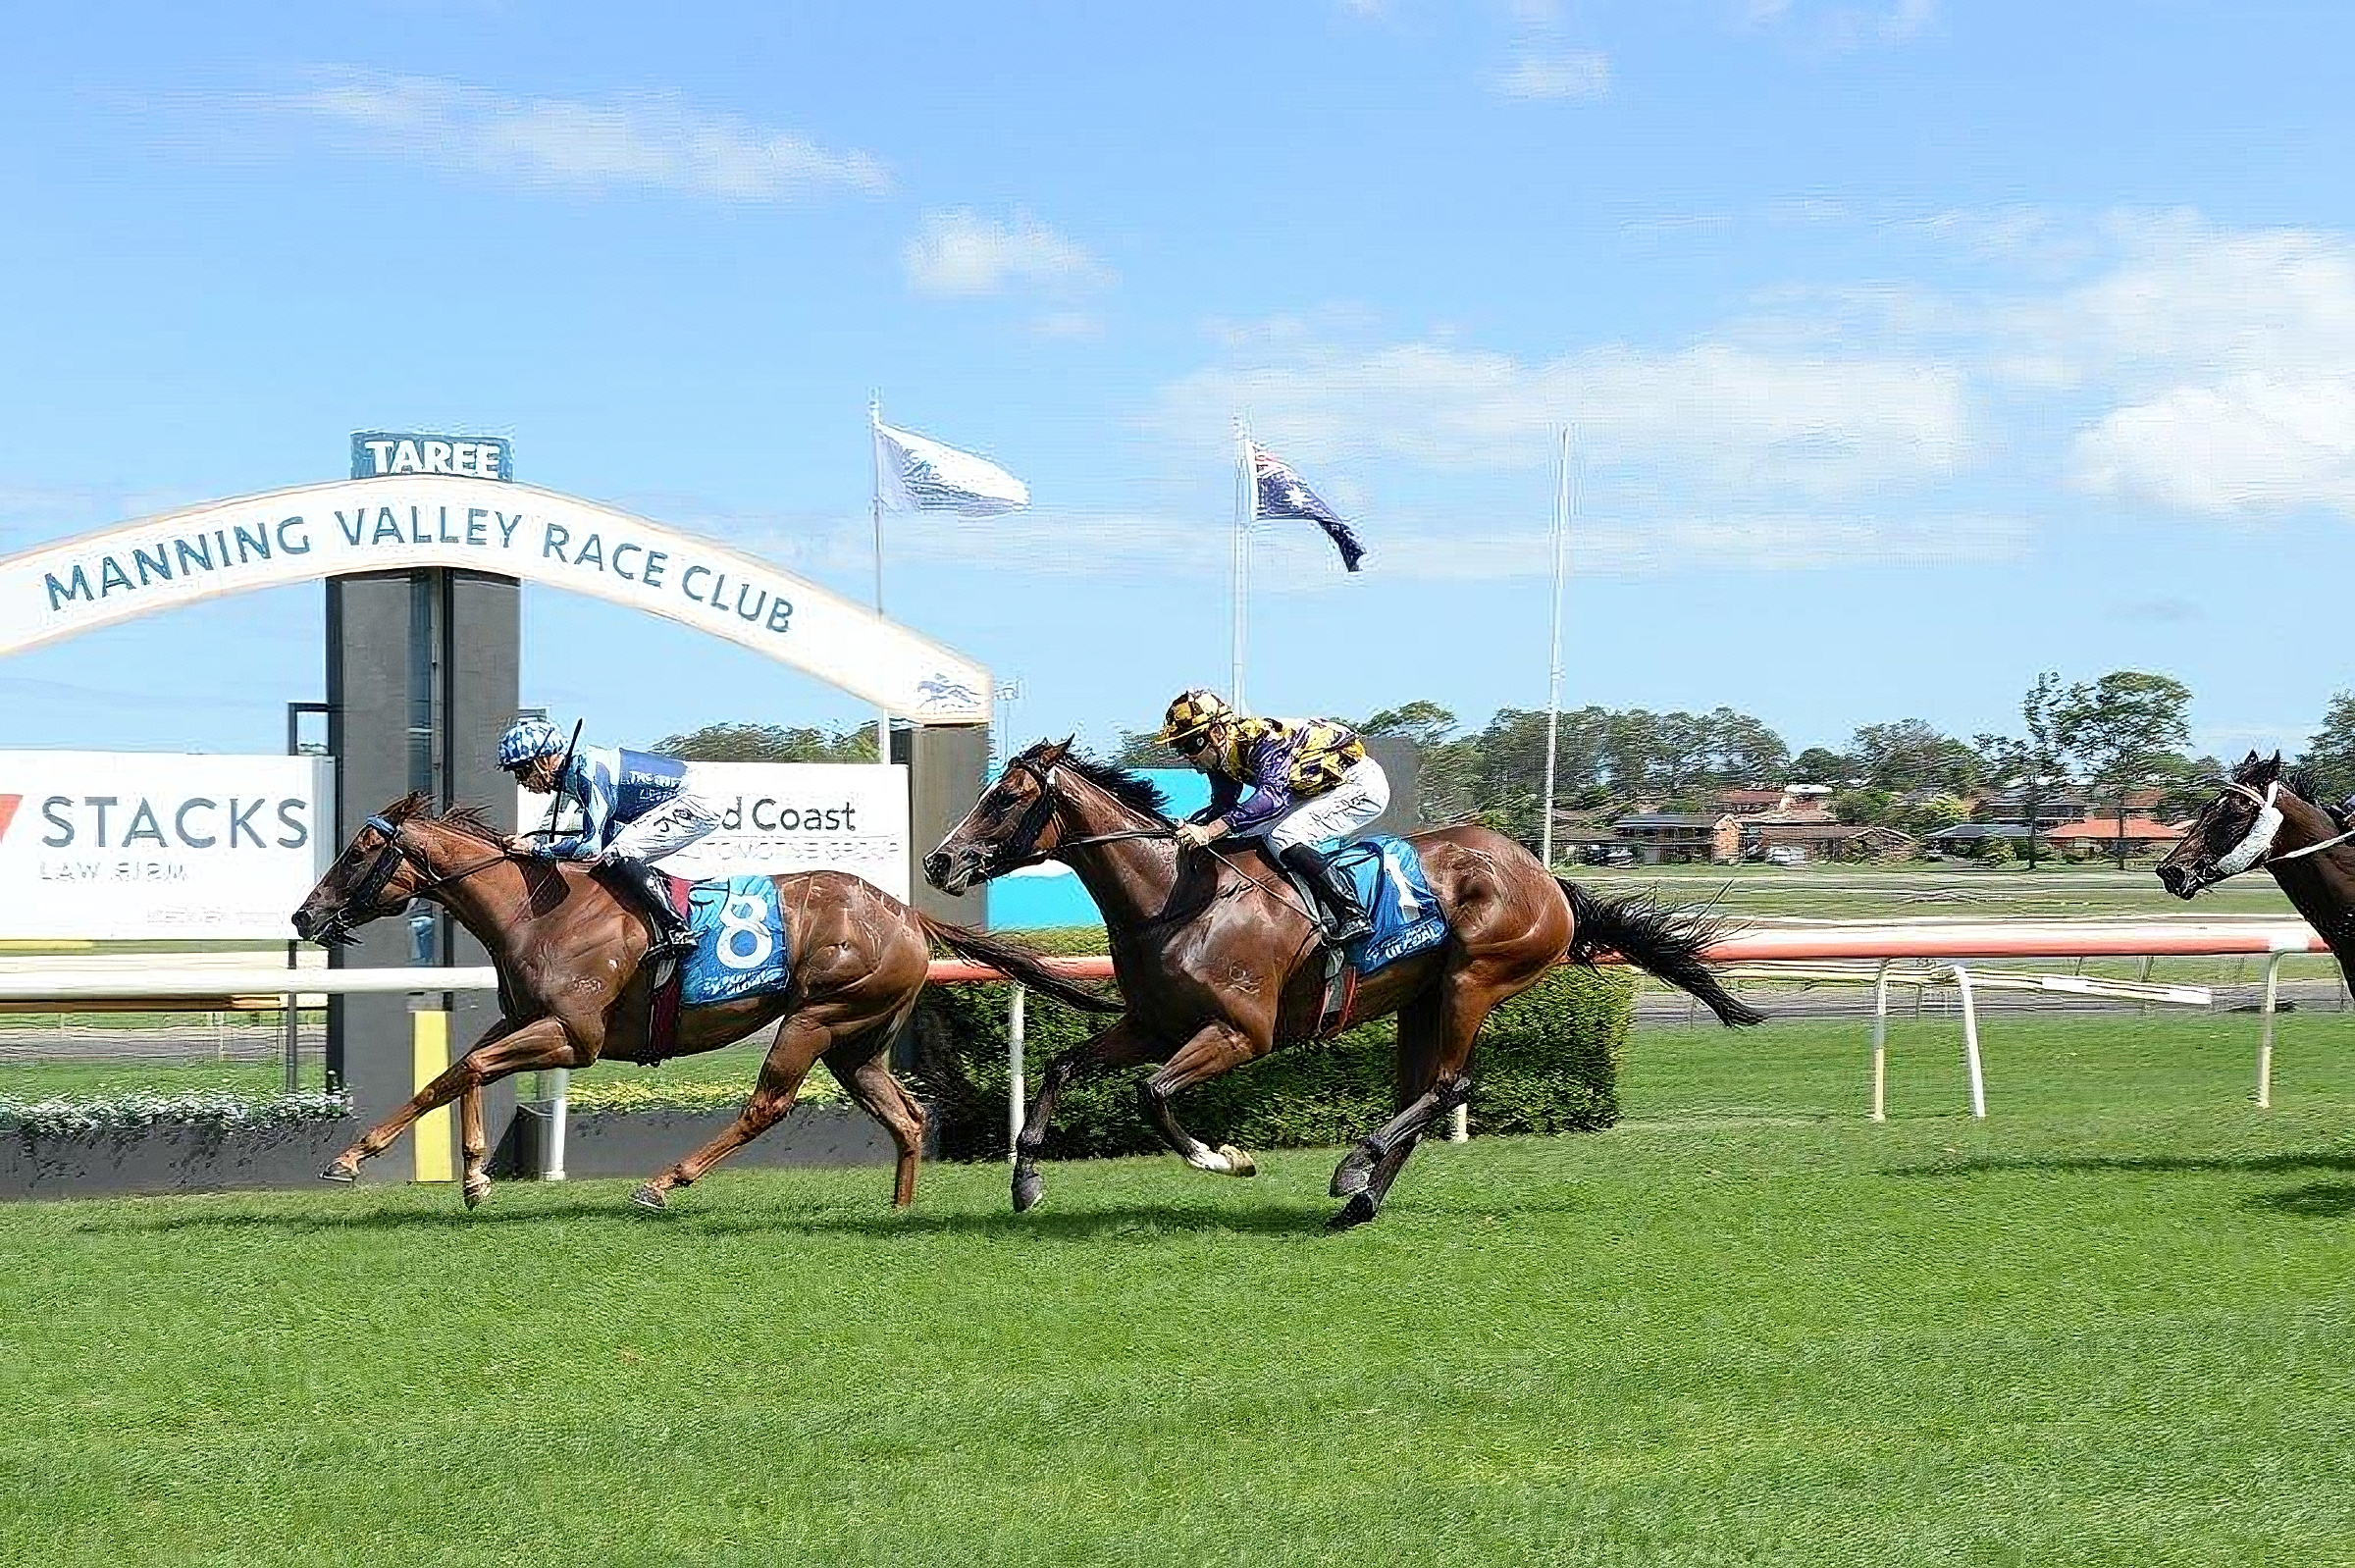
(526, 738)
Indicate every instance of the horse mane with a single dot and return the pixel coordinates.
(466, 821)
(1133, 790)
(2297, 780)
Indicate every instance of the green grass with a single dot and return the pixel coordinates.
(2108, 1325)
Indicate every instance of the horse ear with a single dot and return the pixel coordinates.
(1056, 751)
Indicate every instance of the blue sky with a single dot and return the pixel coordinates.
(1911, 347)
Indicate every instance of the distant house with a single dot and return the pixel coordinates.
(2143, 836)
(1825, 841)
(2060, 802)
(1679, 837)
(1782, 800)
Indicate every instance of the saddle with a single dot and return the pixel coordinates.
(1398, 902)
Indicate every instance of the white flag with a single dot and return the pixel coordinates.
(920, 475)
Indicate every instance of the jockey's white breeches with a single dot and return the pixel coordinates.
(665, 831)
(1362, 795)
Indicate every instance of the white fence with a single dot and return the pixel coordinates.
(1962, 948)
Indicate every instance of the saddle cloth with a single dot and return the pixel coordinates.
(739, 941)
(1398, 901)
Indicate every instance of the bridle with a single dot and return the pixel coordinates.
(2256, 845)
(1021, 847)
(336, 927)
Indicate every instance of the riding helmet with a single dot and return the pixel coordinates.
(1190, 714)
(526, 738)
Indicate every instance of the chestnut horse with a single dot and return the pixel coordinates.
(1221, 963)
(572, 987)
(2262, 817)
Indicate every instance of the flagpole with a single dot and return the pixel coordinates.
(1553, 682)
(1242, 556)
(875, 457)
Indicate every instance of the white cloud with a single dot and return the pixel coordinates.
(1575, 75)
(960, 254)
(641, 140)
(1732, 415)
(2252, 443)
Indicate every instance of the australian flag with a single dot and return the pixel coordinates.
(1280, 494)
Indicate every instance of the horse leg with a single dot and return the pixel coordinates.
(1367, 1202)
(1119, 1046)
(870, 1081)
(1418, 1048)
(1443, 1034)
(800, 1039)
(504, 1048)
(1216, 1048)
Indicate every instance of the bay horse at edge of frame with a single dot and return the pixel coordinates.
(2264, 815)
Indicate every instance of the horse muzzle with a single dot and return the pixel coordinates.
(953, 871)
(2182, 880)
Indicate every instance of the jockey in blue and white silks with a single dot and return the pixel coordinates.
(636, 809)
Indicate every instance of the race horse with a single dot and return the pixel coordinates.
(572, 987)
(2261, 816)
(1220, 961)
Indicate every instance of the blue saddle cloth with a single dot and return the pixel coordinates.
(739, 942)
(1405, 917)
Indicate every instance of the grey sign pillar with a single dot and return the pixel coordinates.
(947, 766)
(421, 679)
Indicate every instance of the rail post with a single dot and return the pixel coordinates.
(1016, 1095)
(1970, 1044)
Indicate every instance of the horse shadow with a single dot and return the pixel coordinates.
(1143, 1223)
(2316, 1200)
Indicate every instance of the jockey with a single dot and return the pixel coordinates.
(1310, 780)
(636, 809)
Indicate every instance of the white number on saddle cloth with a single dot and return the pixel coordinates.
(740, 917)
(1410, 907)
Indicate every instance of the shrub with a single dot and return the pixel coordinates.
(1546, 1062)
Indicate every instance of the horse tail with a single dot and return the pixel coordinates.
(1016, 963)
(1658, 940)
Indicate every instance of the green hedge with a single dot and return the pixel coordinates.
(1547, 1062)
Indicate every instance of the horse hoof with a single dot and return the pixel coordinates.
(475, 1190)
(1239, 1163)
(1356, 1212)
(1352, 1176)
(650, 1198)
(1029, 1187)
(341, 1172)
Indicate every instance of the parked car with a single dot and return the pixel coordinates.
(1786, 855)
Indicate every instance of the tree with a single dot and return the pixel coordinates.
(769, 743)
(1933, 815)
(1744, 750)
(2328, 760)
(2030, 764)
(2130, 731)
(1910, 754)
(1863, 807)
(1446, 770)
(1817, 765)
(1138, 749)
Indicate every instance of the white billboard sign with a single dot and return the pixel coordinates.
(114, 844)
(776, 817)
(481, 525)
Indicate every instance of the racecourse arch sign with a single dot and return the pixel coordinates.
(487, 525)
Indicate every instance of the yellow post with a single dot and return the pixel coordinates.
(429, 1054)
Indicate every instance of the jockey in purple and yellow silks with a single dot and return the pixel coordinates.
(1310, 780)
(636, 809)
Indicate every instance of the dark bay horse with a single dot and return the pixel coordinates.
(1221, 964)
(572, 989)
(2263, 817)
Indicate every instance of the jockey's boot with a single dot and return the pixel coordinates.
(671, 936)
(1344, 916)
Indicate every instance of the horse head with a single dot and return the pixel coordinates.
(400, 854)
(1009, 827)
(2232, 832)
